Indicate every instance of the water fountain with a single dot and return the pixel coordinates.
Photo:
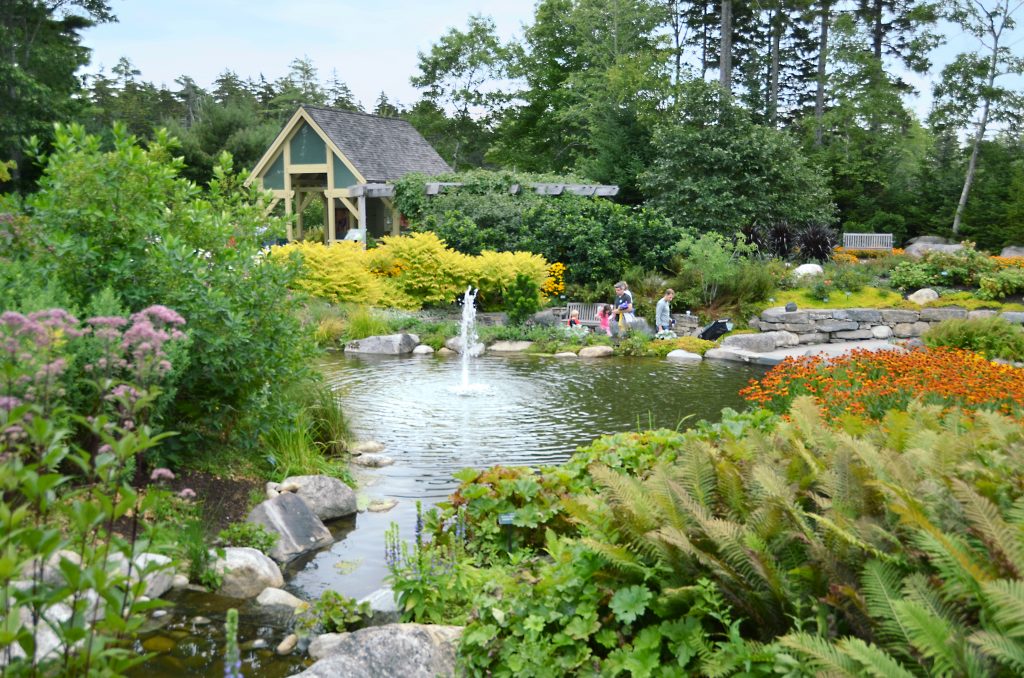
(469, 341)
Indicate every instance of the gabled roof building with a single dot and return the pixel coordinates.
(340, 157)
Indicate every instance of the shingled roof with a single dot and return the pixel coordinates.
(382, 149)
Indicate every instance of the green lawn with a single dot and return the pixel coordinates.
(873, 297)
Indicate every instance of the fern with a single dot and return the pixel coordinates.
(873, 660)
(990, 526)
(822, 654)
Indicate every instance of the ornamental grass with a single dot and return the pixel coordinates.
(867, 384)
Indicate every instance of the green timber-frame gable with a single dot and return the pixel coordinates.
(342, 175)
(336, 156)
(307, 147)
(273, 179)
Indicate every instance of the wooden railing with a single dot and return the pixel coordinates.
(867, 241)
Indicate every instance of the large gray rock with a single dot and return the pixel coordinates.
(392, 651)
(805, 270)
(454, 344)
(596, 352)
(158, 573)
(546, 318)
(881, 331)
(758, 343)
(918, 249)
(278, 598)
(761, 343)
(923, 296)
(328, 498)
(942, 313)
(246, 572)
(383, 607)
(423, 349)
(982, 313)
(1012, 251)
(298, 527)
(930, 240)
(509, 346)
(388, 344)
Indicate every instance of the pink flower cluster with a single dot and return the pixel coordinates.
(140, 348)
(30, 355)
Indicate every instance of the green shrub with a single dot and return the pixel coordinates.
(942, 269)
(1001, 284)
(251, 535)
(522, 299)
(596, 238)
(121, 217)
(333, 613)
(992, 337)
(690, 344)
(705, 265)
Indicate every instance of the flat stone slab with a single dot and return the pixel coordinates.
(509, 346)
(682, 356)
(778, 355)
(596, 352)
(566, 354)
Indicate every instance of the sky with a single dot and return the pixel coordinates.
(373, 44)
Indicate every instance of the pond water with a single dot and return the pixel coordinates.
(519, 410)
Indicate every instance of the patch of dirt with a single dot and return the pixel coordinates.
(225, 500)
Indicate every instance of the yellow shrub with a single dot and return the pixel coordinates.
(496, 271)
(419, 270)
(337, 272)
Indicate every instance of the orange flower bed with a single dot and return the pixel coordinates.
(1009, 262)
(868, 384)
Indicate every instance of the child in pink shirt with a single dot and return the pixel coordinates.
(604, 317)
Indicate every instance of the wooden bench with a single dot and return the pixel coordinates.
(588, 313)
(867, 241)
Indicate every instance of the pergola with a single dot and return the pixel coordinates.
(348, 160)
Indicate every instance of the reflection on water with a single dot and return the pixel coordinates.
(527, 410)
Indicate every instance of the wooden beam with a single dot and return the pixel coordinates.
(271, 206)
(350, 205)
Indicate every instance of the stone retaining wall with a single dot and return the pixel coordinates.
(824, 325)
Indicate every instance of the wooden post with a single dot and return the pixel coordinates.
(362, 218)
(329, 220)
(299, 206)
(288, 210)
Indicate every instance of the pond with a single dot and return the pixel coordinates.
(519, 410)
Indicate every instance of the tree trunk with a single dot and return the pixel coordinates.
(725, 50)
(877, 32)
(819, 94)
(773, 87)
(972, 164)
